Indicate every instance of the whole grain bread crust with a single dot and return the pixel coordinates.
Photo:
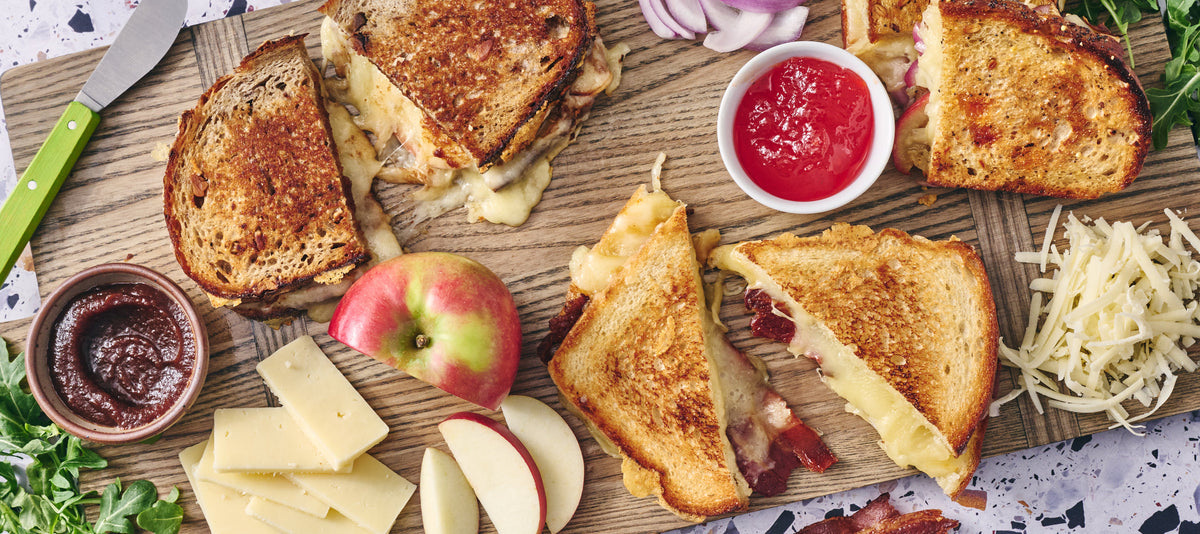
(483, 71)
(1070, 120)
(254, 197)
(919, 313)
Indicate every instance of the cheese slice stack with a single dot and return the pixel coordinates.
(301, 467)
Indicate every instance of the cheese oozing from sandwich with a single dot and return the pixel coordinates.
(414, 149)
(907, 436)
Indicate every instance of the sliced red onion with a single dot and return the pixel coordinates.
(660, 9)
(785, 27)
(688, 14)
(745, 29)
(918, 42)
(910, 76)
(900, 97)
(720, 16)
(763, 6)
(656, 23)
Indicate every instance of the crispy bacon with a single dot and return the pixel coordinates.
(770, 442)
(879, 517)
(769, 320)
(560, 325)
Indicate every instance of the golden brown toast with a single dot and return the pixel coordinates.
(636, 367)
(904, 328)
(254, 196)
(1029, 102)
(483, 71)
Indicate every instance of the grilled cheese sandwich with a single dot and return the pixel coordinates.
(500, 185)
(865, 308)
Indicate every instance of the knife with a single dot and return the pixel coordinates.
(143, 41)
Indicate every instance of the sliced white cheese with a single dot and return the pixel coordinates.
(327, 408)
(268, 486)
(372, 495)
(290, 521)
(224, 508)
(263, 440)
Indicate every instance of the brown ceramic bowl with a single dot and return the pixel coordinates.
(40, 346)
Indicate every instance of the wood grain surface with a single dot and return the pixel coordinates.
(110, 210)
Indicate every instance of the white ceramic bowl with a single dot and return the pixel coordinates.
(881, 143)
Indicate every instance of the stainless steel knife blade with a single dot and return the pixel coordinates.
(143, 41)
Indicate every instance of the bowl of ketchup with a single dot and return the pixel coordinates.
(805, 127)
(116, 354)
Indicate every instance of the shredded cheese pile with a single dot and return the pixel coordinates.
(1122, 308)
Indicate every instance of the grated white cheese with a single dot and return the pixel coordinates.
(1120, 304)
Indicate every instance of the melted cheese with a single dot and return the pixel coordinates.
(591, 269)
(906, 435)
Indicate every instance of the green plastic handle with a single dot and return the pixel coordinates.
(27, 204)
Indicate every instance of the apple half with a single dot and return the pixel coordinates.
(501, 471)
(448, 505)
(555, 450)
(442, 318)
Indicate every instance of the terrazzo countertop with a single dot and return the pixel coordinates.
(1110, 482)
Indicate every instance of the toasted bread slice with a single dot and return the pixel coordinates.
(903, 328)
(254, 196)
(637, 367)
(1028, 102)
(880, 32)
(482, 70)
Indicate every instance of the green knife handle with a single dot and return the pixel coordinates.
(27, 204)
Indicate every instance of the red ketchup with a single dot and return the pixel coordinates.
(803, 130)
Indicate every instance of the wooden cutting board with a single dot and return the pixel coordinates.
(111, 210)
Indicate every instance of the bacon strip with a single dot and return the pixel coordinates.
(879, 517)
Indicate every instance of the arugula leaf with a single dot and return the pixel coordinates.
(1119, 15)
(1178, 101)
(164, 517)
(50, 502)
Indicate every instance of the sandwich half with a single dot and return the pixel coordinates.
(903, 328)
(470, 98)
(267, 205)
(1022, 100)
(642, 362)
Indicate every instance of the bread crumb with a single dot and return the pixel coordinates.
(927, 199)
(161, 152)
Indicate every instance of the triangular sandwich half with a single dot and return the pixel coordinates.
(903, 328)
(643, 363)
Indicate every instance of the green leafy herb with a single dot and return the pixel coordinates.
(1177, 102)
(51, 502)
(1116, 15)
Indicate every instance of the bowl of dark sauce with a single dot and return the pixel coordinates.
(117, 354)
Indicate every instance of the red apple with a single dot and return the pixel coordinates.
(440, 317)
(912, 139)
(501, 471)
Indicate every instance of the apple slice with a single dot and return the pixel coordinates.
(555, 451)
(448, 504)
(501, 471)
(912, 137)
(440, 317)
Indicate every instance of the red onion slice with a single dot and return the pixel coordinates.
(763, 6)
(688, 14)
(660, 9)
(656, 23)
(918, 42)
(745, 29)
(785, 27)
(910, 75)
(720, 16)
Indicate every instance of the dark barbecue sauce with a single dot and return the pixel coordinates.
(123, 354)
